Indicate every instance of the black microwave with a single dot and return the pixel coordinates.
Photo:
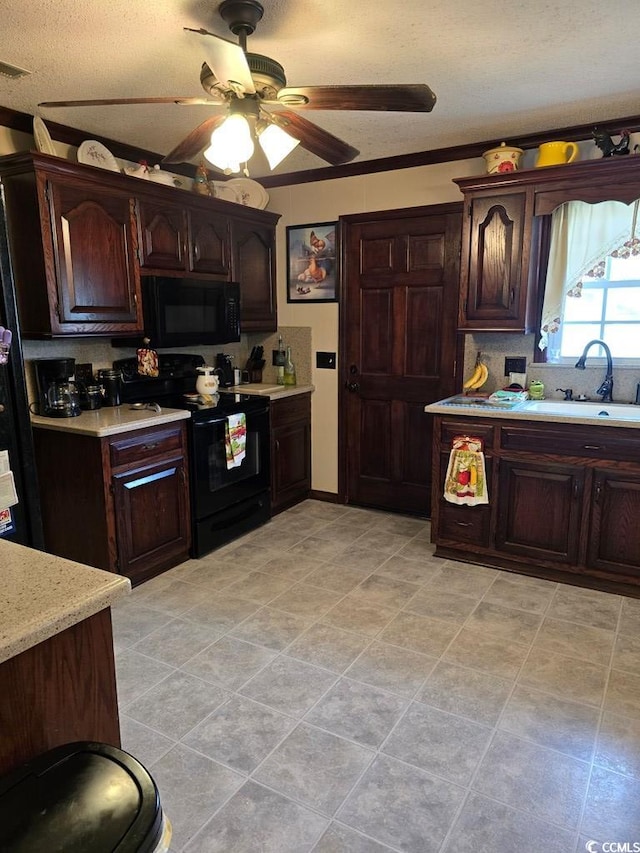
(182, 312)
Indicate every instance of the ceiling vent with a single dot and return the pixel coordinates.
(12, 71)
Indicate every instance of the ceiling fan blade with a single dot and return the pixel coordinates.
(412, 98)
(314, 138)
(228, 62)
(195, 142)
(110, 102)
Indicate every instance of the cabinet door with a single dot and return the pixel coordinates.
(254, 269)
(614, 540)
(290, 451)
(162, 236)
(209, 243)
(539, 510)
(494, 278)
(152, 518)
(96, 275)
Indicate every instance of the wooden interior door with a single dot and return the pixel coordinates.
(398, 350)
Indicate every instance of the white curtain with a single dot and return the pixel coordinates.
(582, 236)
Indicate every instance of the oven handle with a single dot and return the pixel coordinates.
(222, 419)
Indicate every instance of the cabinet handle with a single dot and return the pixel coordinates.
(576, 490)
(277, 445)
(598, 491)
(151, 446)
(591, 447)
(512, 296)
(463, 523)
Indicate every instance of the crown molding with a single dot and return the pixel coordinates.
(72, 136)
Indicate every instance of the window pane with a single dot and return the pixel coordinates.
(624, 269)
(623, 303)
(623, 340)
(585, 307)
(575, 338)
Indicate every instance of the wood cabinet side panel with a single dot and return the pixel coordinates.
(77, 512)
(61, 690)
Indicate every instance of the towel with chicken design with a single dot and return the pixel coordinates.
(466, 481)
(235, 439)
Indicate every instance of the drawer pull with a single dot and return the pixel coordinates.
(151, 446)
(463, 523)
(592, 447)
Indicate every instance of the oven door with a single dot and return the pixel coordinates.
(214, 485)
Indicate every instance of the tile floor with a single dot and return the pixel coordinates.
(326, 684)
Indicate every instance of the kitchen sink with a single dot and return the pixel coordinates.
(576, 409)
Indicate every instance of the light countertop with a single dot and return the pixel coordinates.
(527, 412)
(273, 392)
(110, 420)
(42, 595)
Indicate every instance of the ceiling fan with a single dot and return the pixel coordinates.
(258, 104)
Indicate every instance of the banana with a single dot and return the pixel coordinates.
(475, 376)
(484, 373)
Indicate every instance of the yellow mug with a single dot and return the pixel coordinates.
(556, 153)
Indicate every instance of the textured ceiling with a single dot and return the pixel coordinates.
(498, 69)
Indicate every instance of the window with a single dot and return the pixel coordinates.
(607, 308)
(592, 289)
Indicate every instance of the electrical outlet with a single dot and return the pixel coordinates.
(515, 364)
(326, 360)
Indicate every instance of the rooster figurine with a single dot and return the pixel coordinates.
(608, 146)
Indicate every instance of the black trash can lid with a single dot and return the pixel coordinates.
(77, 798)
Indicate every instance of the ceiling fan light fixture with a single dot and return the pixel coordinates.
(231, 144)
(276, 144)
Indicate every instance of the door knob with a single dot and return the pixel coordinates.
(352, 386)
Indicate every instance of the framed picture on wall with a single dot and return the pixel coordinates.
(312, 255)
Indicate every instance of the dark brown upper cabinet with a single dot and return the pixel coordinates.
(163, 236)
(72, 247)
(79, 238)
(254, 267)
(506, 224)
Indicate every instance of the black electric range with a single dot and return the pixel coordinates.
(227, 499)
(175, 387)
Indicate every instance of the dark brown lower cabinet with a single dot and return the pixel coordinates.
(290, 451)
(614, 542)
(539, 509)
(119, 503)
(563, 502)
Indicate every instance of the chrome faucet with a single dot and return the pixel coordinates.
(606, 389)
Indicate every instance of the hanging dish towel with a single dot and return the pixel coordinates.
(466, 482)
(235, 439)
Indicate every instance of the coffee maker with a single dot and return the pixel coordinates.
(57, 394)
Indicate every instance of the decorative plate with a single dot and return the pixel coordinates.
(225, 191)
(250, 193)
(93, 153)
(42, 138)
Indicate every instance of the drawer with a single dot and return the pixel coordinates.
(290, 410)
(139, 446)
(603, 443)
(450, 429)
(469, 524)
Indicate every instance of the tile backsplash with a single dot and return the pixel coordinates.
(496, 347)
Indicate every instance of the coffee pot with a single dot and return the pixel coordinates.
(57, 394)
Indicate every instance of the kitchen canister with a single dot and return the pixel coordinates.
(504, 158)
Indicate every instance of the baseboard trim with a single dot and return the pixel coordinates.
(328, 497)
